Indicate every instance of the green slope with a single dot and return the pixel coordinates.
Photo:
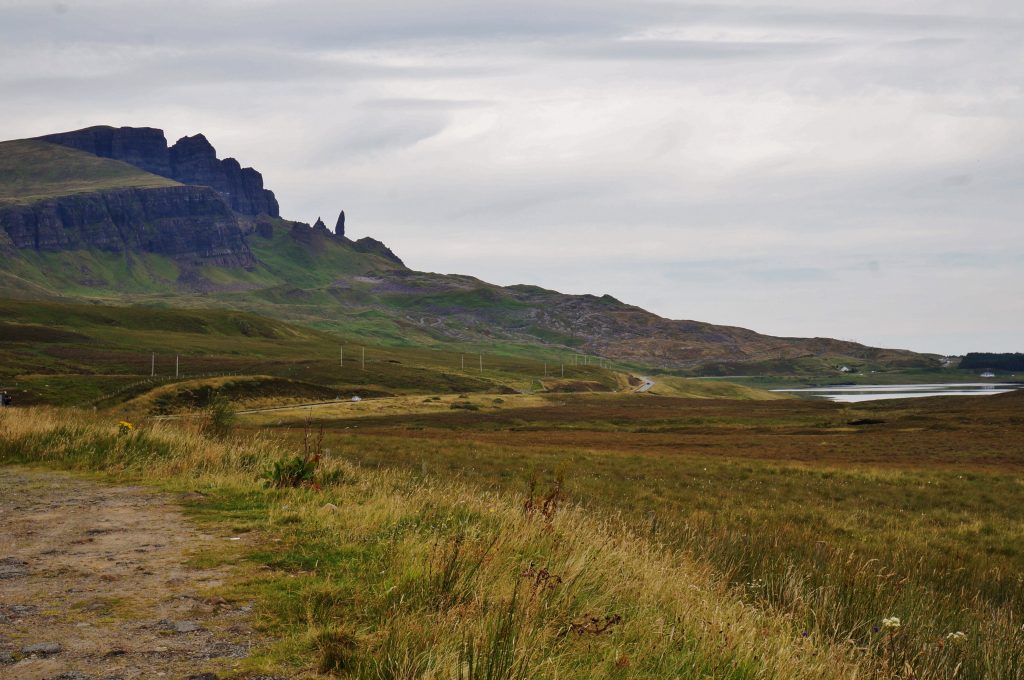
(31, 170)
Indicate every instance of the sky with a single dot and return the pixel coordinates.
(841, 168)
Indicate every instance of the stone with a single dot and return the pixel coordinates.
(339, 227)
(72, 675)
(42, 649)
(7, 658)
(12, 567)
(186, 627)
(202, 676)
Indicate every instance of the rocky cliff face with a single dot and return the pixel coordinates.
(185, 222)
(192, 160)
(143, 147)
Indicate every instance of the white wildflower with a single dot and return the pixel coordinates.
(891, 623)
(958, 636)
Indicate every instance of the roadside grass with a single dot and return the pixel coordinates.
(834, 526)
(407, 577)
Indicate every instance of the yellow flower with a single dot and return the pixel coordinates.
(124, 427)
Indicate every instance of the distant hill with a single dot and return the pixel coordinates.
(1007, 361)
(116, 214)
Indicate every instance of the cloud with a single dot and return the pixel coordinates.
(806, 168)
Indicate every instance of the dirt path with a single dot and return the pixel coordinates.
(94, 585)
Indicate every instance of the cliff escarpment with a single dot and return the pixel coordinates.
(191, 160)
(183, 222)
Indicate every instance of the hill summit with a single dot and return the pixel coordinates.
(191, 160)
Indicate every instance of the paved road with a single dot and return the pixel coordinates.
(646, 386)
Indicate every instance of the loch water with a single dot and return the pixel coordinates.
(855, 393)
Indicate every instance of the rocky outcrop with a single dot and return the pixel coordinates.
(339, 226)
(192, 160)
(372, 245)
(189, 223)
(142, 147)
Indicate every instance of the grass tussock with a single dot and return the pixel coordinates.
(385, 576)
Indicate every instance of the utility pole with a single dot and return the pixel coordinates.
(545, 369)
(463, 358)
(152, 365)
(175, 365)
(563, 370)
(341, 356)
(364, 358)
(481, 362)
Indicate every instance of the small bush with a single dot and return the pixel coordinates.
(464, 405)
(220, 419)
(293, 472)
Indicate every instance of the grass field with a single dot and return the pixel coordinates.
(835, 516)
(376, 574)
(580, 535)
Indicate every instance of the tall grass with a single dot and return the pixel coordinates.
(384, 576)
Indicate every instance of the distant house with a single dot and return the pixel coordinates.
(988, 374)
(845, 369)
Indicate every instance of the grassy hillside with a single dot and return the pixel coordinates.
(92, 354)
(31, 170)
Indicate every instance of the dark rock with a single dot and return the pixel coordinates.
(194, 161)
(12, 567)
(320, 226)
(182, 222)
(339, 227)
(264, 228)
(72, 675)
(143, 147)
(42, 649)
(202, 676)
(6, 658)
(372, 245)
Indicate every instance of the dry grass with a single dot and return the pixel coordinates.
(414, 578)
(918, 515)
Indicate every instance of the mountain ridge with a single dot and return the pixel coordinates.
(220, 242)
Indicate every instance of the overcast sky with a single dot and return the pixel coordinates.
(845, 168)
